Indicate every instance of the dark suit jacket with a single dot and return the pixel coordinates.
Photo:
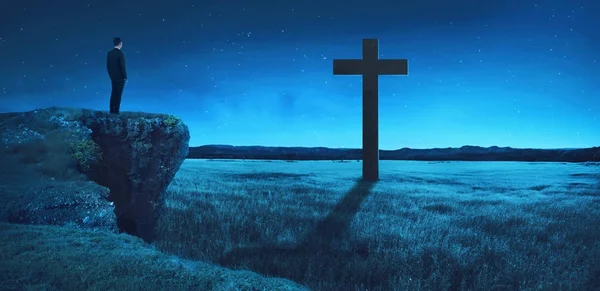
(115, 65)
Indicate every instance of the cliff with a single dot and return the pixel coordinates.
(51, 156)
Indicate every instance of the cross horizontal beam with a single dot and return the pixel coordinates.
(364, 67)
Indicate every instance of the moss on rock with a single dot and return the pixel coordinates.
(87, 153)
(171, 120)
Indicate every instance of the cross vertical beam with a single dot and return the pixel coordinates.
(370, 67)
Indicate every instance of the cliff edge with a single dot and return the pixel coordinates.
(52, 154)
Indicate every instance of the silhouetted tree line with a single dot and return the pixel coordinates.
(466, 153)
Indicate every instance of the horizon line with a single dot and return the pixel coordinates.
(431, 148)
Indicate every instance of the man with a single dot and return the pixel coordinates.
(115, 65)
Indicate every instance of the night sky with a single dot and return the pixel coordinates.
(506, 73)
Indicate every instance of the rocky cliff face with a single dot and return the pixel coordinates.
(134, 155)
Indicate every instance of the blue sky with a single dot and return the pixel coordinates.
(515, 73)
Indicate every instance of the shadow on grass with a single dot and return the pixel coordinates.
(315, 254)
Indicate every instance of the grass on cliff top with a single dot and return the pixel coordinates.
(49, 149)
(424, 226)
(69, 113)
(56, 258)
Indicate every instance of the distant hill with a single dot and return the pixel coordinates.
(465, 153)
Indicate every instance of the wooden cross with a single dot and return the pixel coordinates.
(370, 67)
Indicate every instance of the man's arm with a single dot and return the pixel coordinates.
(122, 63)
(108, 64)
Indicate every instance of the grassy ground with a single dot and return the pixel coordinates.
(424, 226)
(33, 257)
(60, 258)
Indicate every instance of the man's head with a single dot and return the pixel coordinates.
(117, 42)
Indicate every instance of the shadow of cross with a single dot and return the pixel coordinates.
(316, 252)
(370, 67)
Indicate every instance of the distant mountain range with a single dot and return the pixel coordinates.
(465, 153)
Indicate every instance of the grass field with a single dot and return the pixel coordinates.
(64, 256)
(54, 258)
(424, 226)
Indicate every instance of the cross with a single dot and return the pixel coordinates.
(370, 67)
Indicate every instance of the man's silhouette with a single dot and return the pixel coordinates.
(115, 65)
